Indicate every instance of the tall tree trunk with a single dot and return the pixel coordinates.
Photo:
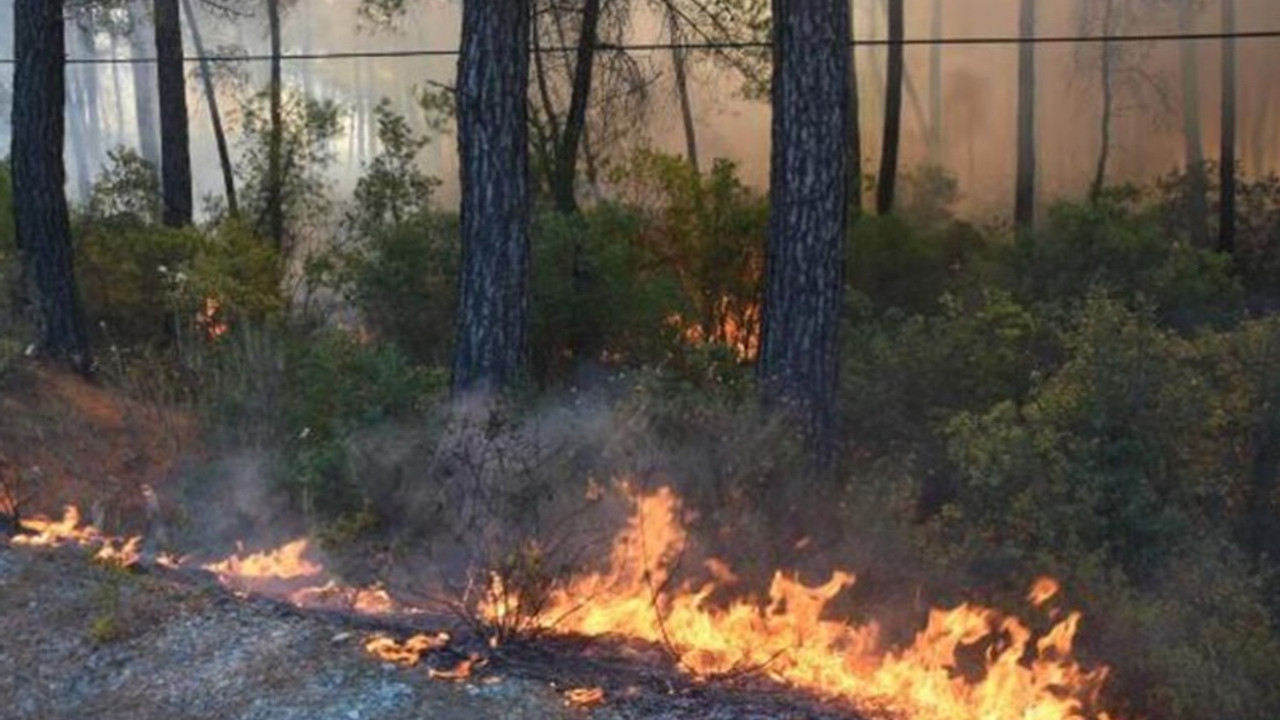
(680, 70)
(804, 274)
(1197, 183)
(854, 170)
(275, 143)
(493, 299)
(39, 195)
(887, 185)
(175, 143)
(1108, 106)
(1227, 209)
(87, 138)
(144, 97)
(1024, 202)
(78, 138)
(935, 87)
(215, 114)
(566, 170)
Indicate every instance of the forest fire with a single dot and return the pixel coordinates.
(287, 572)
(71, 531)
(787, 638)
(967, 662)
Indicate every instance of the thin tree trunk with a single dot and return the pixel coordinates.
(1197, 183)
(41, 217)
(275, 144)
(1024, 203)
(491, 352)
(566, 171)
(854, 180)
(117, 92)
(679, 66)
(215, 115)
(1108, 107)
(804, 274)
(144, 98)
(1227, 209)
(77, 140)
(175, 141)
(89, 140)
(885, 189)
(935, 87)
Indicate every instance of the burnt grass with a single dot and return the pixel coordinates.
(80, 640)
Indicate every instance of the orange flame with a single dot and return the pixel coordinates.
(283, 563)
(70, 530)
(584, 697)
(789, 638)
(409, 652)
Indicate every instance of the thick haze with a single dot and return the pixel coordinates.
(978, 91)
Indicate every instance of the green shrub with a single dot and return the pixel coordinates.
(1119, 245)
(334, 385)
(595, 288)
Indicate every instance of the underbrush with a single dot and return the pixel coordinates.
(1098, 401)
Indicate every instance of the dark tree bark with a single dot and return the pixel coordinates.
(679, 65)
(887, 185)
(1024, 203)
(1227, 164)
(275, 143)
(566, 161)
(491, 352)
(1197, 183)
(804, 275)
(39, 177)
(215, 114)
(175, 143)
(1108, 106)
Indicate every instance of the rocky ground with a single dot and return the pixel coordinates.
(80, 640)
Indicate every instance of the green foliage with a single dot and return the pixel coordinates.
(127, 191)
(909, 260)
(309, 128)
(1117, 245)
(622, 307)
(398, 262)
(334, 385)
(394, 190)
(902, 376)
(145, 284)
(707, 232)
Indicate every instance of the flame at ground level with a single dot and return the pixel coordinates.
(1021, 676)
(71, 530)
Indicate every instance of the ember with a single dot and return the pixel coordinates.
(584, 697)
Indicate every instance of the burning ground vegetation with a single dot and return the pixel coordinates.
(274, 634)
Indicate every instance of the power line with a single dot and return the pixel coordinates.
(994, 40)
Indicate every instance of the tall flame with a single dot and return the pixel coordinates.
(1020, 677)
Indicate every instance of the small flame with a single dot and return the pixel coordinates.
(283, 563)
(1042, 591)
(70, 530)
(790, 639)
(210, 319)
(409, 652)
(584, 697)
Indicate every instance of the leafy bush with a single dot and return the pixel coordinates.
(1118, 245)
(596, 288)
(398, 262)
(146, 284)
